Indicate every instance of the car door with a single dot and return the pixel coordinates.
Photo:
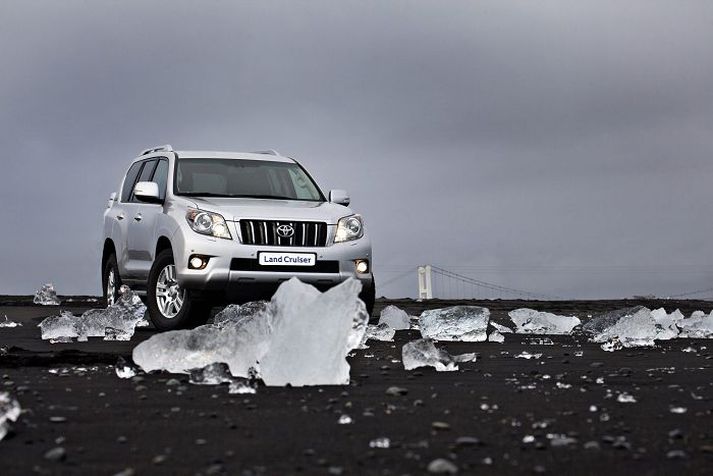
(121, 211)
(142, 223)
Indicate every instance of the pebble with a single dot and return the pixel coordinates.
(442, 466)
(58, 419)
(676, 454)
(467, 441)
(56, 454)
(396, 391)
(440, 425)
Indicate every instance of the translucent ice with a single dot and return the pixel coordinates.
(666, 324)
(698, 326)
(496, 336)
(46, 296)
(457, 323)
(423, 353)
(213, 374)
(381, 332)
(116, 322)
(633, 327)
(529, 321)
(395, 318)
(301, 337)
(8, 323)
(9, 411)
(501, 329)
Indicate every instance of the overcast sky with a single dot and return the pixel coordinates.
(559, 147)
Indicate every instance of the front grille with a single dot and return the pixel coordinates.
(264, 232)
(247, 264)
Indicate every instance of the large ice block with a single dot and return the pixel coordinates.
(457, 323)
(529, 321)
(395, 318)
(698, 326)
(300, 337)
(46, 296)
(9, 412)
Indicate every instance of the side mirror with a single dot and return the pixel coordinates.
(340, 197)
(147, 192)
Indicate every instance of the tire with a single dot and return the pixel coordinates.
(368, 295)
(171, 307)
(111, 280)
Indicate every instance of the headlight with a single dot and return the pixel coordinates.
(349, 228)
(207, 223)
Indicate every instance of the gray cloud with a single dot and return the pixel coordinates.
(560, 147)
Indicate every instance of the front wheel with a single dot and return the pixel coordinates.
(111, 280)
(368, 295)
(170, 306)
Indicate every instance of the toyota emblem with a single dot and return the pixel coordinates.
(285, 231)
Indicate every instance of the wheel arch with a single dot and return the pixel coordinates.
(109, 249)
(162, 244)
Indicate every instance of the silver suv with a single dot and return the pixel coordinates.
(189, 230)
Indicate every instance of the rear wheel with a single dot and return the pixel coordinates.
(170, 306)
(111, 280)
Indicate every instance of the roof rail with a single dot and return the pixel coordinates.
(160, 148)
(267, 152)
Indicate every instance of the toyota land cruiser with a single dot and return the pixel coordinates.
(189, 230)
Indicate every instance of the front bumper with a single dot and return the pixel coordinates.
(233, 266)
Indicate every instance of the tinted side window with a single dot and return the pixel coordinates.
(160, 176)
(145, 175)
(129, 181)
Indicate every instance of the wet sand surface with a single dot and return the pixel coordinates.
(558, 414)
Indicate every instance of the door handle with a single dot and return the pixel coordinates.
(120, 216)
(138, 217)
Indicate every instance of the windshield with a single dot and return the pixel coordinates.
(244, 178)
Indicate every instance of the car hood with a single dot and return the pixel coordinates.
(250, 208)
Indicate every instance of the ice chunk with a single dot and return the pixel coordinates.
(496, 336)
(698, 326)
(395, 318)
(213, 374)
(9, 412)
(529, 321)
(666, 327)
(9, 323)
(382, 332)
(47, 296)
(500, 328)
(123, 369)
(526, 355)
(301, 337)
(457, 323)
(633, 327)
(116, 322)
(240, 387)
(423, 353)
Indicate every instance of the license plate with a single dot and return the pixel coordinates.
(287, 259)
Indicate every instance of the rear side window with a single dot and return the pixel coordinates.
(160, 176)
(129, 181)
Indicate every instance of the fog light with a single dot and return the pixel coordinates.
(362, 266)
(197, 262)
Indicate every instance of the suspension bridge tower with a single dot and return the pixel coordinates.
(425, 287)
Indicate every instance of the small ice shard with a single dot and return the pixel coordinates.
(123, 369)
(116, 322)
(688, 349)
(301, 337)
(698, 326)
(9, 323)
(612, 345)
(423, 353)
(345, 420)
(381, 442)
(457, 323)
(46, 296)
(395, 318)
(496, 336)
(540, 341)
(9, 412)
(678, 410)
(529, 321)
(526, 355)
(625, 398)
(557, 440)
(240, 387)
(382, 332)
(213, 374)
(632, 327)
(500, 328)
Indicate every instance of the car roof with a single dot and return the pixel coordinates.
(212, 154)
